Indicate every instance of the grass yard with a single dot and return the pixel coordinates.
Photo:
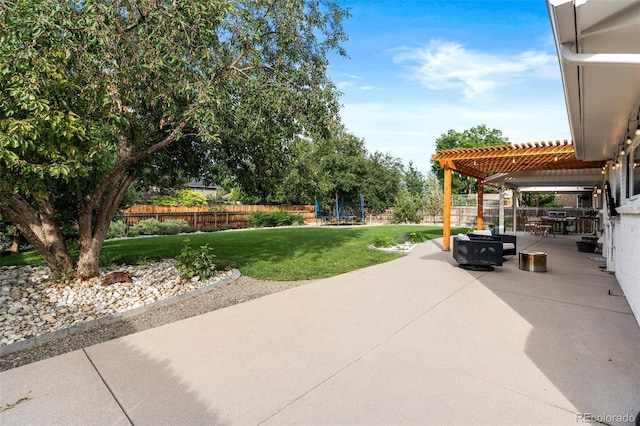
(271, 254)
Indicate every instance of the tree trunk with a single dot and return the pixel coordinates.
(15, 243)
(41, 230)
(95, 212)
(93, 227)
(89, 261)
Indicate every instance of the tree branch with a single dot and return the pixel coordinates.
(128, 159)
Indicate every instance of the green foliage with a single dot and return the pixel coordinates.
(415, 237)
(413, 181)
(270, 219)
(108, 259)
(173, 227)
(540, 200)
(386, 241)
(478, 136)
(95, 94)
(196, 262)
(323, 166)
(407, 208)
(146, 227)
(434, 196)
(117, 229)
(163, 200)
(184, 197)
(381, 184)
(383, 241)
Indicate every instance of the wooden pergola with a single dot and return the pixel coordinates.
(479, 162)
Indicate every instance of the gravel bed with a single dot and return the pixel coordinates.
(238, 291)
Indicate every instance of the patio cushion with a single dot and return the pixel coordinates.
(463, 237)
(508, 246)
(482, 232)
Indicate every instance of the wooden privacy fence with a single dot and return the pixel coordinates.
(227, 216)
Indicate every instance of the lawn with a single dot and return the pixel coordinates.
(271, 254)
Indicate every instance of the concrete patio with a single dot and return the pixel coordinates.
(413, 341)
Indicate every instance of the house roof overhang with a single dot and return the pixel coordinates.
(569, 180)
(599, 55)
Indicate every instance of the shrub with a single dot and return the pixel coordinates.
(173, 227)
(406, 209)
(163, 200)
(261, 219)
(192, 262)
(399, 239)
(415, 237)
(383, 242)
(297, 219)
(258, 219)
(117, 229)
(146, 227)
(184, 197)
(190, 198)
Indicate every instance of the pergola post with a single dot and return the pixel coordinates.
(480, 214)
(446, 220)
(501, 211)
(514, 197)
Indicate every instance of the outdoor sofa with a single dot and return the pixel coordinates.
(482, 249)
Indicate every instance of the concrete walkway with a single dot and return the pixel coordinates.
(413, 341)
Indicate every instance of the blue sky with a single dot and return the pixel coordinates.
(418, 68)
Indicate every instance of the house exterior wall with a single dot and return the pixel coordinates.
(622, 232)
(627, 258)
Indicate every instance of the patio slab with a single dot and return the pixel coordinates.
(62, 390)
(391, 385)
(413, 341)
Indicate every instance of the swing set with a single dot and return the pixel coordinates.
(339, 214)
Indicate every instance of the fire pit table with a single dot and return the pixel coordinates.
(533, 261)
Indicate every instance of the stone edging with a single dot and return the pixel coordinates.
(109, 319)
(391, 249)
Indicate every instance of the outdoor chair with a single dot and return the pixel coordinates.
(533, 226)
(548, 226)
(508, 241)
(477, 253)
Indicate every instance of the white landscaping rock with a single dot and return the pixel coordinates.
(32, 304)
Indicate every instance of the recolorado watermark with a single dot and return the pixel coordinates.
(605, 418)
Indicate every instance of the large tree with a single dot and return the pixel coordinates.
(323, 167)
(94, 95)
(413, 181)
(474, 137)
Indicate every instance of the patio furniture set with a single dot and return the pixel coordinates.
(483, 250)
(546, 225)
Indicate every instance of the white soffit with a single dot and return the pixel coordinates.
(601, 98)
(548, 178)
(557, 189)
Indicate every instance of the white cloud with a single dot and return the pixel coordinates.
(443, 65)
